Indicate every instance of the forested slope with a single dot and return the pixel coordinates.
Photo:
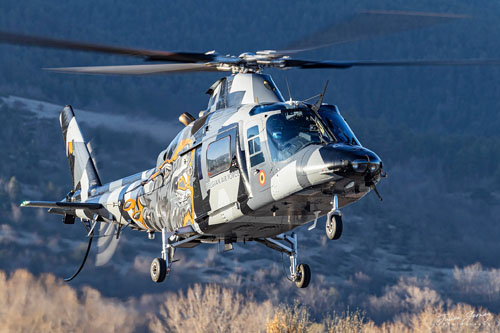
(436, 130)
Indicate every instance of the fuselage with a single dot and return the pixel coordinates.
(246, 170)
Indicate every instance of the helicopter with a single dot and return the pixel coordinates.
(250, 167)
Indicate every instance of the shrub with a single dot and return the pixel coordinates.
(211, 309)
(473, 283)
(289, 319)
(46, 304)
(408, 295)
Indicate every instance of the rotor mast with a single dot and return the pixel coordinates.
(243, 88)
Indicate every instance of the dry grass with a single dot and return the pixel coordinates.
(461, 318)
(46, 304)
(345, 322)
(296, 320)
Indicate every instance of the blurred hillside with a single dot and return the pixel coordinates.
(433, 241)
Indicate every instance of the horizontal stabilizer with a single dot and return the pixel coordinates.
(62, 205)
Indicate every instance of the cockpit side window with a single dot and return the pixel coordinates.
(254, 148)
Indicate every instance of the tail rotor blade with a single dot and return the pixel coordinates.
(106, 243)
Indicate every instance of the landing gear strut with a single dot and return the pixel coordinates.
(333, 225)
(300, 274)
(160, 267)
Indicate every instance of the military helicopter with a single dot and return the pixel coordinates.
(251, 167)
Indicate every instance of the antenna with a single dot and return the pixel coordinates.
(288, 87)
(317, 105)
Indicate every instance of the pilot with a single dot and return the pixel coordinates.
(275, 127)
(282, 132)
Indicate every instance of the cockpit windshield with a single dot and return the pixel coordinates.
(291, 130)
(336, 123)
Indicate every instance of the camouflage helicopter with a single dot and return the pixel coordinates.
(251, 167)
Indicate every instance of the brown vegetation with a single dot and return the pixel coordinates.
(460, 318)
(211, 309)
(45, 303)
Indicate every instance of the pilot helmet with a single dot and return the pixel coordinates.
(277, 134)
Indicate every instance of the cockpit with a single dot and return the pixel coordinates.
(291, 130)
(292, 127)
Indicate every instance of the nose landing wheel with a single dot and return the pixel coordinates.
(334, 224)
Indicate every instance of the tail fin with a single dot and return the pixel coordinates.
(82, 166)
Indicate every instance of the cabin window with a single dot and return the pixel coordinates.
(254, 148)
(219, 156)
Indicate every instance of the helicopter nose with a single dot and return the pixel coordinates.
(351, 160)
(369, 163)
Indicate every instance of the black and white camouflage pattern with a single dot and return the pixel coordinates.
(233, 205)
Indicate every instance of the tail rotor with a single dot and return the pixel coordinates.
(107, 242)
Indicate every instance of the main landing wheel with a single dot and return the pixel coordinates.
(303, 276)
(334, 226)
(158, 270)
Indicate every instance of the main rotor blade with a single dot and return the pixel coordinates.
(153, 55)
(137, 69)
(368, 24)
(304, 64)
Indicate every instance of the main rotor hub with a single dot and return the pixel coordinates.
(249, 62)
